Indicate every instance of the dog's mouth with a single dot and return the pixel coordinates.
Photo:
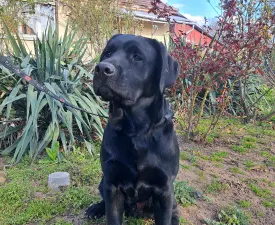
(109, 94)
(105, 93)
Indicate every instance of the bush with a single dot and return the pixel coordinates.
(33, 119)
(223, 77)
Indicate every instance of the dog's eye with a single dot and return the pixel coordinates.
(137, 58)
(107, 54)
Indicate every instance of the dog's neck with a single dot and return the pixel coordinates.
(137, 120)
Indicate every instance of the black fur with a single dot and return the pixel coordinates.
(139, 153)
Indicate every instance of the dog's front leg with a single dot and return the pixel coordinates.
(114, 204)
(163, 204)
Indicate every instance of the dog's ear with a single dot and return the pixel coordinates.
(167, 67)
(173, 68)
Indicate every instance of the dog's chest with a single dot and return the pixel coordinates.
(146, 181)
(149, 176)
(137, 167)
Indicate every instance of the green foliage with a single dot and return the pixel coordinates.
(230, 216)
(265, 105)
(236, 170)
(185, 167)
(264, 194)
(239, 148)
(98, 20)
(260, 192)
(219, 156)
(247, 143)
(269, 204)
(249, 164)
(185, 195)
(265, 154)
(187, 155)
(249, 139)
(183, 221)
(205, 157)
(42, 120)
(211, 137)
(53, 152)
(216, 187)
(270, 161)
(244, 203)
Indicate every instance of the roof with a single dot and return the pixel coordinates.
(145, 5)
(141, 7)
(153, 17)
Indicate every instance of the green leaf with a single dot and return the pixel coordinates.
(21, 46)
(90, 147)
(13, 100)
(46, 139)
(12, 41)
(9, 149)
(25, 61)
(11, 131)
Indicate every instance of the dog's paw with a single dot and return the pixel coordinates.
(95, 211)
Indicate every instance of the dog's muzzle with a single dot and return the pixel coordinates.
(104, 72)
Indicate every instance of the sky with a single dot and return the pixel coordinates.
(195, 10)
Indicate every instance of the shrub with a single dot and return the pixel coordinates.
(219, 78)
(33, 118)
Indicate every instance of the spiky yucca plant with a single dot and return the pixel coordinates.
(31, 120)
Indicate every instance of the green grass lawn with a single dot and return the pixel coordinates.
(26, 198)
(241, 156)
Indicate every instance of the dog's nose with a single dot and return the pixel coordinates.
(105, 68)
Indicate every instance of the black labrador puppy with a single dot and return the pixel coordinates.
(139, 153)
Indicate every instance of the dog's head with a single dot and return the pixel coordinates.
(132, 67)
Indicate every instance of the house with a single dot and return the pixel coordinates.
(158, 28)
(153, 27)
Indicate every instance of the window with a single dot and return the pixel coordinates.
(27, 30)
(38, 18)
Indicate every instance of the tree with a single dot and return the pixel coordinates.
(98, 20)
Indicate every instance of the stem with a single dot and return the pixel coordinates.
(202, 107)
(191, 113)
(242, 97)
